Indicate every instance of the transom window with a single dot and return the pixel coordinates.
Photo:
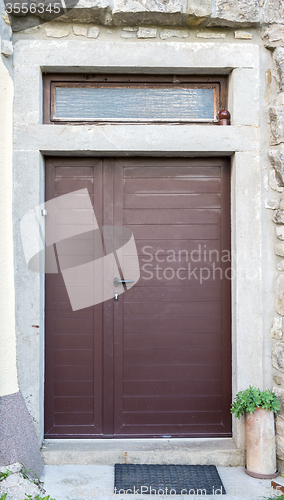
(105, 98)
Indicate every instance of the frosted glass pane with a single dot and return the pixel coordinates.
(134, 104)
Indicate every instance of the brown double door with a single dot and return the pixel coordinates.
(157, 362)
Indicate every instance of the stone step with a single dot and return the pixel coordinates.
(221, 452)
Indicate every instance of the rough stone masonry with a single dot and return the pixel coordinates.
(183, 13)
(274, 40)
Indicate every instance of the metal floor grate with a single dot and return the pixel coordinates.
(167, 480)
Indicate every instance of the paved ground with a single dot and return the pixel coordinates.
(95, 482)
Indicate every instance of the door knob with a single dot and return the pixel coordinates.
(116, 281)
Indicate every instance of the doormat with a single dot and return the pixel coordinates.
(167, 480)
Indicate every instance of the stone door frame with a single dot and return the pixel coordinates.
(241, 141)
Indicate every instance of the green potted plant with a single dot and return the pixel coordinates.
(259, 408)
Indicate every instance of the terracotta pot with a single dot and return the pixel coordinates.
(260, 442)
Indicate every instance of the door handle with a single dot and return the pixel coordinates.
(116, 281)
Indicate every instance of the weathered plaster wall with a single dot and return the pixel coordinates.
(8, 372)
(18, 440)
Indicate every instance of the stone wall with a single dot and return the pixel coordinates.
(243, 13)
(274, 41)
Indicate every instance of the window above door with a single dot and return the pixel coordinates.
(106, 98)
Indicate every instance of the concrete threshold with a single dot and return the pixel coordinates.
(96, 482)
(221, 452)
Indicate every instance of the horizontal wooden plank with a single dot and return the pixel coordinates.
(169, 310)
(172, 356)
(74, 341)
(174, 403)
(76, 325)
(193, 250)
(74, 202)
(72, 418)
(78, 277)
(76, 171)
(147, 290)
(73, 373)
(71, 431)
(73, 261)
(79, 247)
(73, 357)
(181, 430)
(195, 185)
(74, 216)
(173, 372)
(73, 388)
(64, 309)
(182, 201)
(163, 262)
(175, 418)
(61, 295)
(149, 276)
(171, 341)
(170, 216)
(82, 297)
(176, 232)
(64, 186)
(73, 404)
(173, 294)
(158, 261)
(64, 231)
(172, 172)
(172, 388)
(173, 325)
(170, 250)
(155, 162)
(161, 250)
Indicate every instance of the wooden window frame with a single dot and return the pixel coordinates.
(107, 80)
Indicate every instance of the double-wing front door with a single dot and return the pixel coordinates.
(157, 361)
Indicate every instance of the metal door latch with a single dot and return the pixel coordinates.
(116, 281)
(116, 296)
(44, 212)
